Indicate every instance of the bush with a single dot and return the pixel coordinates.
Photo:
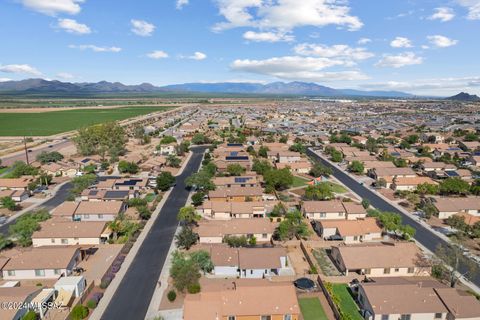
(105, 282)
(91, 304)
(30, 315)
(172, 295)
(193, 288)
(79, 312)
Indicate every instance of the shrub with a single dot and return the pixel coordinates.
(91, 304)
(79, 312)
(105, 282)
(172, 295)
(30, 315)
(193, 288)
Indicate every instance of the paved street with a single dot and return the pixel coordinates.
(132, 298)
(20, 156)
(423, 235)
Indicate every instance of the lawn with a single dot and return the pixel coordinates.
(347, 304)
(337, 188)
(299, 182)
(48, 123)
(150, 197)
(312, 309)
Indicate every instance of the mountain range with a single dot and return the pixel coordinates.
(463, 96)
(41, 86)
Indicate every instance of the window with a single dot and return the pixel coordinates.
(11, 273)
(367, 271)
(385, 316)
(355, 238)
(405, 317)
(386, 271)
(86, 216)
(287, 317)
(397, 270)
(340, 214)
(100, 216)
(40, 273)
(52, 240)
(323, 215)
(57, 271)
(411, 270)
(64, 241)
(264, 235)
(266, 317)
(438, 315)
(231, 317)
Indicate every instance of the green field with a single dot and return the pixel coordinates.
(337, 188)
(48, 123)
(347, 304)
(312, 309)
(299, 181)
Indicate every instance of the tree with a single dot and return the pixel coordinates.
(20, 168)
(201, 180)
(283, 139)
(321, 191)
(412, 139)
(168, 140)
(128, 167)
(427, 188)
(392, 222)
(382, 183)
(102, 139)
(319, 170)
(165, 180)
(336, 156)
(400, 163)
(298, 147)
(235, 169)
(263, 152)
(454, 186)
(292, 226)
(4, 242)
(8, 203)
(83, 182)
(365, 203)
(199, 138)
(203, 260)
(457, 222)
(184, 271)
(475, 188)
(186, 238)
(356, 166)
(79, 312)
(144, 212)
(453, 257)
(47, 157)
(371, 145)
(405, 145)
(278, 179)
(197, 198)
(26, 225)
(278, 210)
(173, 161)
(188, 215)
(261, 166)
(235, 241)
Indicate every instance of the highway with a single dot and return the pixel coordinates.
(132, 298)
(424, 236)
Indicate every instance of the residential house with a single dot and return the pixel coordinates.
(228, 210)
(214, 231)
(301, 167)
(20, 184)
(381, 260)
(242, 299)
(388, 174)
(247, 180)
(236, 194)
(17, 295)
(410, 183)
(449, 206)
(41, 263)
(98, 211)
(324, 210)
(16, 195)
(168, 149)
(351, 231)
(68, 233)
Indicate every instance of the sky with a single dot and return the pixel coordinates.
(425, 47)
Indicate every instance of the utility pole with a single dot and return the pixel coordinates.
(26, 151)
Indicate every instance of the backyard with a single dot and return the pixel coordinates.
(48, 123)
(346, 303)
(312, 309)
(299, 182)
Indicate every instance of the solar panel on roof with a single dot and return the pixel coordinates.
(451, 173)
(236, 158)
(116, 194)
(241, 179)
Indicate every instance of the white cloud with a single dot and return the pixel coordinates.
(443, 14)
(157, 54)
(181, 4)
(400, 60)
(473, 7)
(65, 75)
(142, 28)
(73, 26)
(5, 79)
(363, 41)
(339, 51)
(440, 86)
(95, 48)
(441, 41)
(285, 15)
(297, 68)
(267, 36)
(401, 42)
(54, 7)
(198, 56)
(20, 68)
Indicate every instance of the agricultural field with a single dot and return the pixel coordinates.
(53, 122)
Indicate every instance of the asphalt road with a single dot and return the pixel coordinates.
(132, 298)
(20, 156)
(51, 203)
(422, 235)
